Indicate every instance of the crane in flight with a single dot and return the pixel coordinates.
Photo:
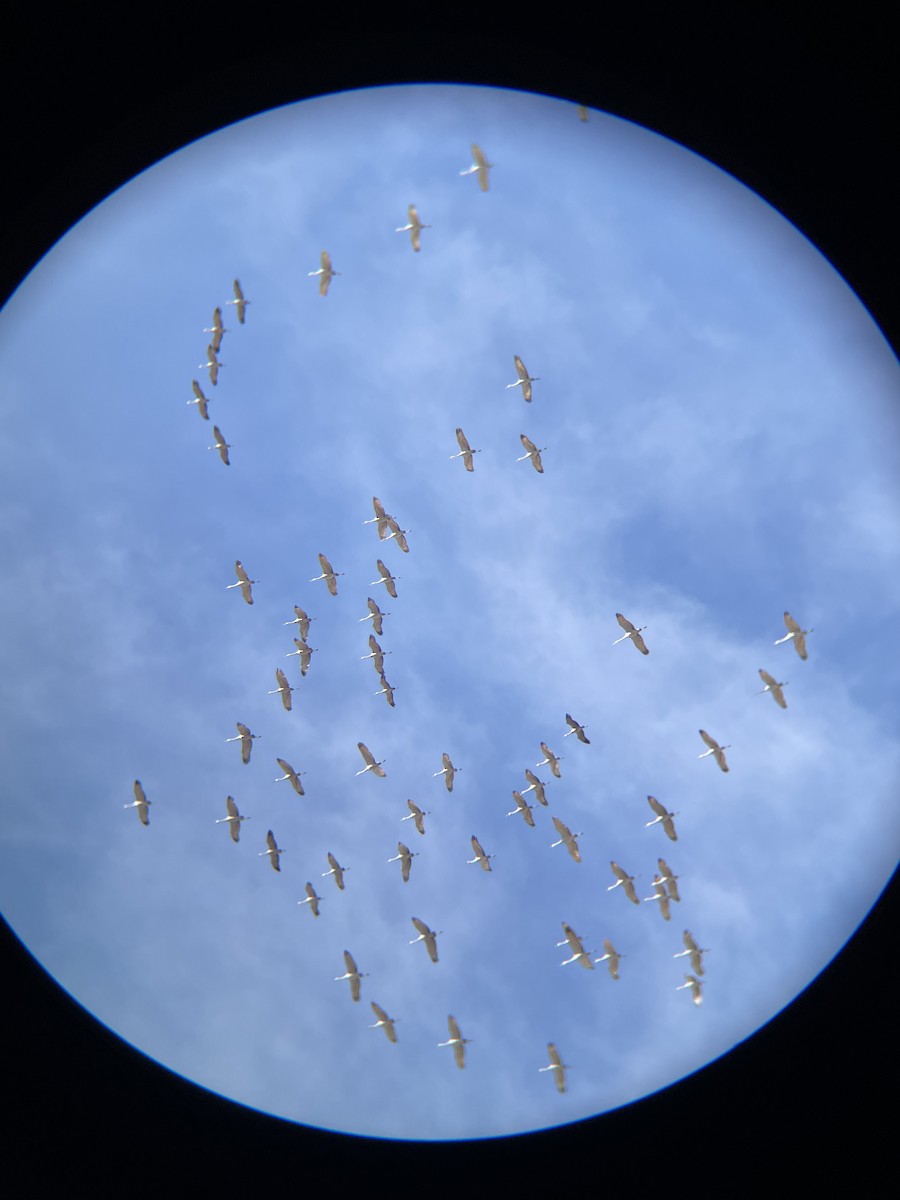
(376, 654)
(376, 616)
(291, 774)
(481, 858)
(715, 749)
(386, 690)
(284, 689)
(692, 982)
(428, 936)
(465, 451)
(626, 881)
(233, 820)
(312, 899)
(212, 365)
(579, 953)
(304, 653)
(448, 771)
(773, 686)
(532, 452)
(550, 760)
(221, 445)
(246, 738)
(535, 785)
(239, 302)
(336, 870)
(386, 578)
(567, 838)
(660, 894)
(414, 228)
(199, 399)
(523, 807)
(557, 1066)
(244, 582)
(631, 632)
(404, 856)
(352, 973)
(691, 948)
(480, 166)
(577, 729)
(663, 815)
(301, 619)
(611, 958)
(384, 1022)
(457, 1041)
(525, 380)
(328, 574)
(669, 878)
(141, 803)
(217, 329)
(369, 759)
(273, 853)
(416, 815)
(380, 520)
(326, 273)
(796, 635)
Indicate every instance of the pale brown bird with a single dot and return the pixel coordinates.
(532, 452)
(239, 302)
(217, 329)
(369, 759)
(611, 958)
(284, 689)
(273, 853)
(579, 953)
(448, 771)
(352, 973)
(246, 738)
(387, 579)
(457, 1041)
(428, 936)
(414, 227)
(537, 786)
(416, 815)
(199, 399)
(404, 857)
(328, 574)
(626, 881)
(692, 982)
(480, 166)
(141, 803)
(663, 815)
(221, 445)
(480, 857)
(557, 1066)
(384, 1022)
(336, 870)
(376, 616)
(312, 899)
(577, 729)
(660, 894)
(244, 582)
(233, 819)
(465, 451)
(525, 380)
(550, 759)
(715, 749)
(669, 879)
(691, 948)
(301, 619)
(631, 632)
(523, 807)
(380, 520)
(291, 774)
(773, 686)
(326, 273)
(795, 634)
(567, 838)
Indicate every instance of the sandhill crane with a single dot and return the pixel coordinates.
(525, 380)
(557, 1066)
(336, 870)
(669, 878)
(532, 452)
(380, 520)
(660, 894)
(352, 973)
(291, 774)
(578, 951)
(663, 815)
(387, 579)
(481, 858)
(273, 853)
(212, 365)
(243, 582)
(715, 749)
(384, 1022)
(480, 166)
(404, 856)
(199, 399)
(550, 760)
(239, 302)
(567, 838)
(301, 619)
(328, 574)
(325, 271)
(369, 759)
(523, 807)
(217, 329)
(416, 815)
(233, 820)
(631, 632)
(376, 616)
(457, 1041)
(448, 771)
(795, 634)
(465, 451)
(773, 686)
(577, 729)
(221, 445)
(691, 948)
(398, 534)
(414, 227)
(312, 899)
(141, 803)
(428, 936)
(386, 690)
(284, 689)
(611, 958)
(376, 654)
(535, 785)
(304, 652)
(692, 982)
(246, 738)
(626, 880)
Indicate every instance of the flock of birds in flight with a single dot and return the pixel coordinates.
(665, 881)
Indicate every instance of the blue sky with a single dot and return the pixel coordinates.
(720, 416)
